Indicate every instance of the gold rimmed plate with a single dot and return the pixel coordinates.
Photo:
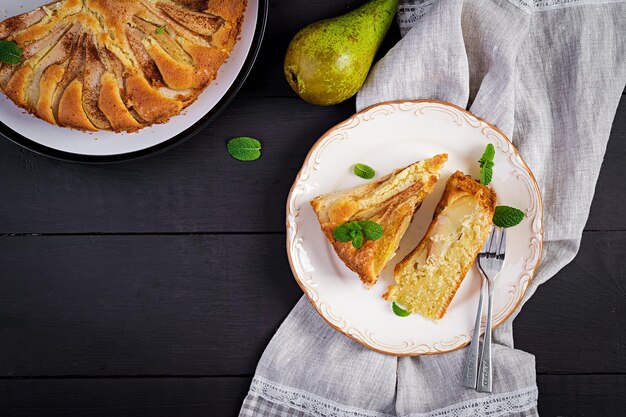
(388, 136)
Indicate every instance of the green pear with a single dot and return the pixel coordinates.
(327, 62)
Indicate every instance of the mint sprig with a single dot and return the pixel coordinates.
(505, 216)
(244, 148)
(399, 311)
(486, 164)
(364, 171)
(357, 232)
(10, 53)
(160, 30)
(372, 230)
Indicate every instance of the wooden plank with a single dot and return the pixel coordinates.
(581, 395)
(607, 210)
(575, 322)
(559, 395)
(208, 305)
(196, 186)
(129, 397)
(140, 305)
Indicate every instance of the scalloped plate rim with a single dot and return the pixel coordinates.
(364, 336)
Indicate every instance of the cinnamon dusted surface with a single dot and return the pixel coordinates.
(118, 65)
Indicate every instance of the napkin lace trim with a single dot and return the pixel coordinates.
(544, 5)
(490, 406)
(305, 401)
(411, 11)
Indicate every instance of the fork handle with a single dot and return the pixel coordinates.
(485, 373)
(470, 373)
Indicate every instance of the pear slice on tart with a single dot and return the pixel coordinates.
(390, 201)
(428, 278)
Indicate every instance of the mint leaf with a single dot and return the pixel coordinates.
(342, 233)
(506, 216)
(357, 231)
(486, 164)
(244, 148)
(372, 230)
(355, 226)
(486, 173)
(489, 154)
(160, 30)
(357, 240)
(347, 231)
(399, 311)
(10, 53)
(364, 171)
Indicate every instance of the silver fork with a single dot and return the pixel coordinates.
(489, 262)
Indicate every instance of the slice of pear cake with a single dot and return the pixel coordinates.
(389, 201)
(428, 278)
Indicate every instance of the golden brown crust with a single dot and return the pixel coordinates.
(21, 22)
(230, 10)
(151, 106)
(201, 23)
(391, 207)
(92, 76)
(16, 88)
(51, 77)
(394, 219)
(57, 54)
(458, 186)
(113, 107)
(161, 54)
(176, 75)
(71, 112)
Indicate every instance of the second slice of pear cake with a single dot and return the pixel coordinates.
(390, 201)
(429, 277)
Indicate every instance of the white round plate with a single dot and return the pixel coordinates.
(75, 145)
(388, 136)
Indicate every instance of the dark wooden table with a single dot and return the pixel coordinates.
(151, 288)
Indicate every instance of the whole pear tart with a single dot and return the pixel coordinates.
(118, 65)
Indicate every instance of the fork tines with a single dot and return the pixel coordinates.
(495, 245)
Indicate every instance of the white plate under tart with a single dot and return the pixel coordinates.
(105, 146)
(388, 136)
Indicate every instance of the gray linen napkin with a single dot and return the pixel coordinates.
(549, 73)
